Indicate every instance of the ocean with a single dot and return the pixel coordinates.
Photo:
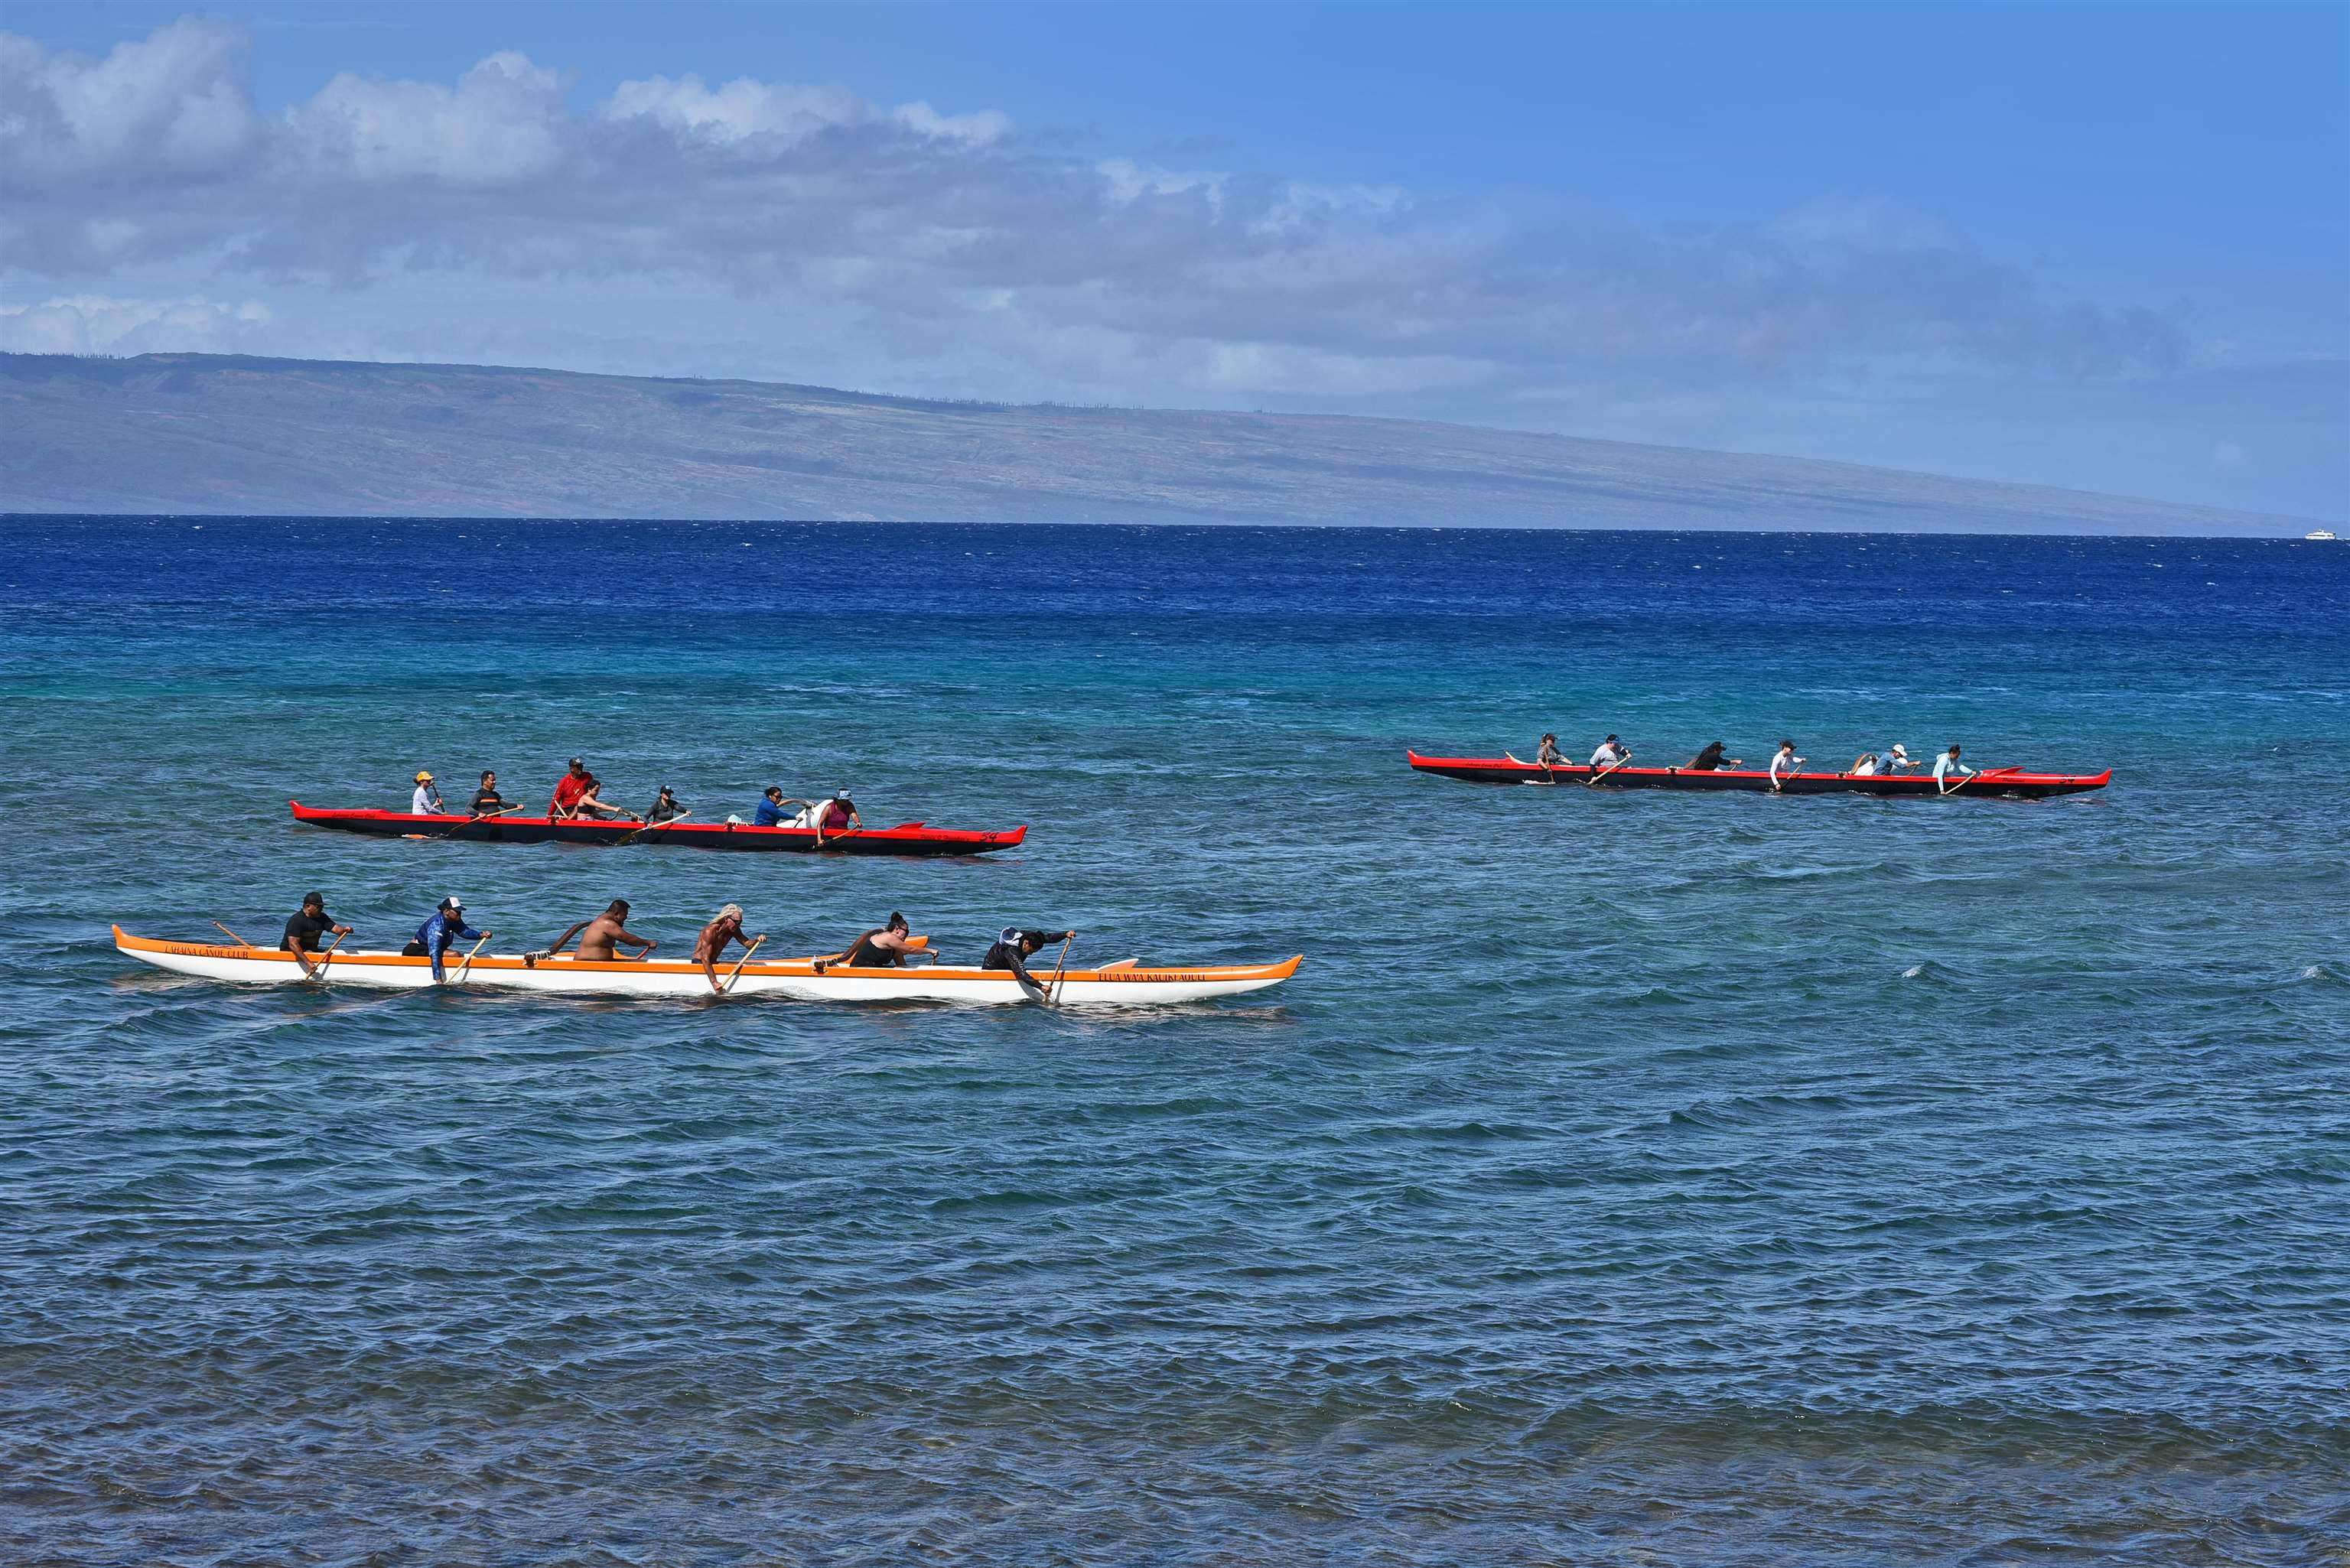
(1624, 1178)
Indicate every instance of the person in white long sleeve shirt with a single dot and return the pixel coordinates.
(426, 801)
(1947, 765)
(1784, 763)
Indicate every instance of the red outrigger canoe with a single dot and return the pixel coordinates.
(905, 838)
(2009, 781)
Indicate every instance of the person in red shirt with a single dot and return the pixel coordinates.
(569, 789)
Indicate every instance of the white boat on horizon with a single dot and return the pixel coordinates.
(2319, 534)
(1127, 983)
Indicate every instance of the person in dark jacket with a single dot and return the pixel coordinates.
(1709, 759)
(1014, 945)
(433, 936)
(487, 801)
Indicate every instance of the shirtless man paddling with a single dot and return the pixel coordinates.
(598, 944)
(712, 944)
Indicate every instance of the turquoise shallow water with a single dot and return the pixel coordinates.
(1627, 1178)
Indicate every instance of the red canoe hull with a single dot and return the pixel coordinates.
(908, 838)
(1907, 786)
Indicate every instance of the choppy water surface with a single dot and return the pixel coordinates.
(1632, 1179)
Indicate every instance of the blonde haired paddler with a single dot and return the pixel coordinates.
(712, 944)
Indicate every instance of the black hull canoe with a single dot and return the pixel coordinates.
(2008, 781)
(905, 838)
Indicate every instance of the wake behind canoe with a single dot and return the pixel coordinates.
(2012, 783)
(905, 838)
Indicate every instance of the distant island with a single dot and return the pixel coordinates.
(202, 433)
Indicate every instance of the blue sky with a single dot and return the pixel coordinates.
(2099, 245)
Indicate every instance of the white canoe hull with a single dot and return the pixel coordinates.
(1129, 985)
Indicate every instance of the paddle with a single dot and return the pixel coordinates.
(649, 826)
(233, 936)
(1548, 777)
(469, 959)
(1609, 769)
(737, 970)
(1053, 992)
(1978, 773)
(318, 971)
(483, 817)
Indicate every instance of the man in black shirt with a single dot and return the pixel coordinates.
(487, 801)
(308, 923)
(1014, 944)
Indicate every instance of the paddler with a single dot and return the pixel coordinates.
(433, 938)
(1547, 754)
(487, 801)
(1947, 765)
(712, 944)
(1894, 760)
(835, 815)
(1784, 763)
(303, 930)
(577, 781)
(1612, 752)
(665, 809)
(590, 803)
(884, 947)
(1710, 760)
(426, 801)
(770, 811)
(598, 936)
(1014, 944)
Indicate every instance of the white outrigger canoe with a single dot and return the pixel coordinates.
(1127, 984)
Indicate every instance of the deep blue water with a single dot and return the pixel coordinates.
(1626, 1178)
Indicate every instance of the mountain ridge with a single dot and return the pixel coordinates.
(225, 434)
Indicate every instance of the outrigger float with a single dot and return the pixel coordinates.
(1129, 983)
(2010, 782)
(905, 838)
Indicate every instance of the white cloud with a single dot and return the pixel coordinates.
(101, 324)
(745, 107)
(957, 244)
(981, 127)
(503, 123)
(176, 101)
(740, 109)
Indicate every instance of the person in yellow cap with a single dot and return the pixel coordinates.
(426, 801)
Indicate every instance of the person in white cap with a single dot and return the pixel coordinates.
(426, 801)
(433, 936)
(1894, 761)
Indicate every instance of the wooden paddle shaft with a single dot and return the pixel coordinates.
(649, 825)
(738, 965)
(464, 968)
(319, 968)
(1059, 967)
